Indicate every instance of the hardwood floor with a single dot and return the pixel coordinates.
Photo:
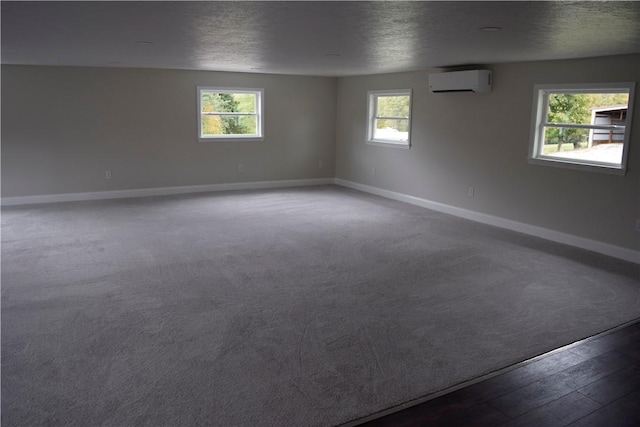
(594, 383)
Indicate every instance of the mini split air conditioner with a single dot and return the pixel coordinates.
(461, 81)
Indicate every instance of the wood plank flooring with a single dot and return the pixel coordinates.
(594, 383)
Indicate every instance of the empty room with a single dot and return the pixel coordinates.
(282, 213)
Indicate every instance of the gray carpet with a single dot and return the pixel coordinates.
(295, 307)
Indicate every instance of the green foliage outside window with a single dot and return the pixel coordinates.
(575, 108)
(228, 124)
(393, 106)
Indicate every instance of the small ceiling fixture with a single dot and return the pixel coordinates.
(490, 29)
(143, 43)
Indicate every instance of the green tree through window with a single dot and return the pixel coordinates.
(394, 106)
(226, 113)
(583, 126)
(389, 113)
(575, 108)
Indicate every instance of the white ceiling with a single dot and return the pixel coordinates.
(338, 38)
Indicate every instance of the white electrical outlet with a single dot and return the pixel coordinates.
(471, 191)
(107, 174)
(240, 168)
(320, 164)
(373, 171)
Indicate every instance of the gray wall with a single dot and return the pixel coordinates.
(63, 127)
(481, 140)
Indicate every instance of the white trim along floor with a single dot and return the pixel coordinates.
(556, 236)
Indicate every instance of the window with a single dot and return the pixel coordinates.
(389, 118)
(226, 113)
(582, 126)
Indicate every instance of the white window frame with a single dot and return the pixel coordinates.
(372, 107)
(540, 105)
(259, 114)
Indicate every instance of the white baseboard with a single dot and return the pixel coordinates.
(161, 191)
(545, 233)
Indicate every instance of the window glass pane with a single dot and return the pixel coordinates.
(389, 121)
(229, 125)
(246, 102)
(582, 126)
(213, 102)
(226, 113)
(581, 144)
(587, 108)
(211, 125)
(391, 130)
(242, 124)
(393, 106)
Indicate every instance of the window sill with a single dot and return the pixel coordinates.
(576, 165)
(233, 139)
(390, 144)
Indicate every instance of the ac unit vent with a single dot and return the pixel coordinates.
(461, 81)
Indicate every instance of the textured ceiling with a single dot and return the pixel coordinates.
(312, 38)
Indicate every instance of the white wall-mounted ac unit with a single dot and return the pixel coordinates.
(461, 81)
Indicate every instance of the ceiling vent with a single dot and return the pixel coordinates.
(461, 81)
